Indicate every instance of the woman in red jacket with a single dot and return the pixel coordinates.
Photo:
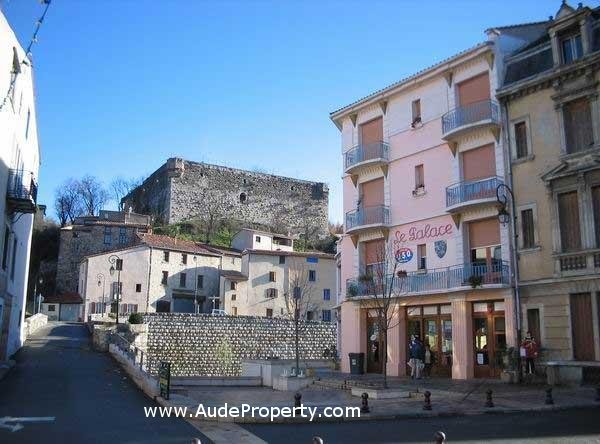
(531, 352)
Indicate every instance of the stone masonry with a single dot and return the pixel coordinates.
(204, 345)
(182, 190)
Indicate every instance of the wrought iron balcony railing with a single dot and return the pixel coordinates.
(470, 190)
(469, 114)
(374, 215)
(437, 279)
(366, 152)
(21, 191)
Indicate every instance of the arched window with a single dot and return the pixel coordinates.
(243, 197)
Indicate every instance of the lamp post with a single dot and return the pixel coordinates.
(102, 281)
(38, 282)
(504, 217)
(116, 265)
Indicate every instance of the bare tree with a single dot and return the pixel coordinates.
(377, 290)
(67, 202)
(121, 187)
(298, 300)
(92, 193)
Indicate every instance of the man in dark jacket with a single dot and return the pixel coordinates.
(416, 354)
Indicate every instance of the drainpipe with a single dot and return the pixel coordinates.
(149, 281)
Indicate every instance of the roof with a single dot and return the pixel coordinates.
(69, 297)
(412, 77)
(228, 251)
(318, 254)
(170, 243)
(266, 233)
(234, 275)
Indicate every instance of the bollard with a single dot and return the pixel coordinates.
(427, 405)
(297, 399)
(598, 394)
(439, 437)
(549, 399)
(317, 440)
(365, 403)
(488, 399)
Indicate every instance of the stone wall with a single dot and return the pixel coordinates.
(204, 345)
(182, 190)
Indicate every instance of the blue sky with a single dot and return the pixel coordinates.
(123, 85)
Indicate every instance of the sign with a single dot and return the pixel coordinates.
(404, 255)
(428, 231)
(164, 379)
(440, 248)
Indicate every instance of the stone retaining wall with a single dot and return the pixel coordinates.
(204, 345)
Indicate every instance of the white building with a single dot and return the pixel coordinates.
(261, 240)
(19, 164)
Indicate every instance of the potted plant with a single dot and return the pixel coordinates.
(401, 273)
(475, 281)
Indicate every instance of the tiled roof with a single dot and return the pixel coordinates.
(222, 250)
(171, 243)
(234, 275)
(63, 298)
(318, 254)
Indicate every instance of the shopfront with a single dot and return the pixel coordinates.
(489, 338)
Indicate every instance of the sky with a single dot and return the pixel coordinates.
(123, 85)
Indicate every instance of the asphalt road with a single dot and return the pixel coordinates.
(569, 426)
(59, 375)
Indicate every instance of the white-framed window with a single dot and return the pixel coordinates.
(571, 48)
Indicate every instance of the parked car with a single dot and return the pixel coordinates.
(218, 312)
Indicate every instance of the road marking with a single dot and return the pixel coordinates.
(17, 421)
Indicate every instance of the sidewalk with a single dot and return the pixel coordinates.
(448, 398)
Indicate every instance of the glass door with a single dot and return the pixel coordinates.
(374, 347)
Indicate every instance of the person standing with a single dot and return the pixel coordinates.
(530, 349)
(415, 350)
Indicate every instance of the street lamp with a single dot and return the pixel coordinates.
(102, 281)
(116, 265)
(504, 217)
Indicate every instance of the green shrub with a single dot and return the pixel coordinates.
(136, 318)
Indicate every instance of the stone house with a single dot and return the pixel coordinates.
(90, 235)
(550, 95)
(159, 274)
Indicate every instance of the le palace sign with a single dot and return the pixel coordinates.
(419, 234)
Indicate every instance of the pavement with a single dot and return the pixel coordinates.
(62, 391)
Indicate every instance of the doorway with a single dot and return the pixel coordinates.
(582, 326)
(374, 346)
(489, 338)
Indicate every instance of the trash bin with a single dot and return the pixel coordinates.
(357, 363)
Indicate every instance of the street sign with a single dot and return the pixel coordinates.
(164, 379)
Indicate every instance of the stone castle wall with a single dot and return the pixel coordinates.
(183, 190)
(204, 345)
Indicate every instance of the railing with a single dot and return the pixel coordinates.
(437, 279)
(470, 190)
(21, 186)
(580, 261)
(378, 214)
(468, 114)
(369, 151)
(137, 356)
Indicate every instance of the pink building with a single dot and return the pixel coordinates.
(422, 160)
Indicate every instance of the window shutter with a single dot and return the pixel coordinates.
(568, 215)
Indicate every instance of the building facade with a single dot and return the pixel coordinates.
(159, 274)
(550, 95)
(182, 190)
(90, 235)
(423, 159)
(19, 165)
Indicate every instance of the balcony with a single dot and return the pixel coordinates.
(471, 192)
(437, 280)
(361, 156)
(473, 116)
(377, 216)
(21, 192)
(578, 263)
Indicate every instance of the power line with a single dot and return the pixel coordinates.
(33, 40)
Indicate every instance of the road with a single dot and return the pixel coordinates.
(59, 375)
(571, 426)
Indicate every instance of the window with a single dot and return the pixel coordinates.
(182, 278)
(271, 292)
(116, 289)
(521, 140)
(269, 312)
(327, 315)
(13, 262)
(165, 277)
(107, 236)
(184, 259)
(200, 283)
(257, 239)
(232, 285)
(416, 112)
(243, 197)
(422, 256)
(310, 315)
(568, 219)
(122, 235)
(234, 311)
(326, 294)
(297, 293)
(166, 256)
(419, 177)
(233, 297)
(596, 210)
(312, 275)
(5, 248)
(571, 48)
(51, 307)
(138, 288)
(527, 228)
(577, 116)
(281, 260)
(271, 276)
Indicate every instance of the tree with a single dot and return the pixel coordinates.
(67, 202)
(298, 300)
(92, 193)
(121, 187)
(381, 285)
